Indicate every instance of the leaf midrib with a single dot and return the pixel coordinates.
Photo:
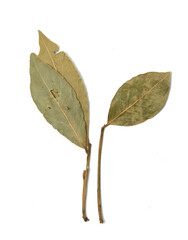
(139, 99)
(60, 107)
(51, 58)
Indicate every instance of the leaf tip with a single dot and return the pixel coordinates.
(40, 33)
(169, 74)
(32, 56)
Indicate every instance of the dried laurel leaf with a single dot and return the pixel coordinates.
(62, 63)
(57, 101)
(139, 99)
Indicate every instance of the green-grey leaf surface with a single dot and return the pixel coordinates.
(62, 63)
(139, 99)
(57, 101)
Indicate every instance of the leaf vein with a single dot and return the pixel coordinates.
(126, 109)
(60, 107)
(51, 58)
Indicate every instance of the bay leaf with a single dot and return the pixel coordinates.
(62, 63)
(139, 99)
(57, 101)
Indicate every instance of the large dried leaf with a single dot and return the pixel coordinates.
(57, 101)
(139, 99)
(62, 63)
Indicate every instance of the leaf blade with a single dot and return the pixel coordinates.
(57, 101)
(139, 99)
(47, 50)
(63, 64)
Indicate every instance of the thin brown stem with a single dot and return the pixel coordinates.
(85, 180)
(99, 177)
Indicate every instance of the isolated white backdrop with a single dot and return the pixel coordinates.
(144, 168)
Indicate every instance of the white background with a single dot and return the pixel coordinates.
(144, 168)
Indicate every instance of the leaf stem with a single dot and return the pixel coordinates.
(85, 180)
(99, 176)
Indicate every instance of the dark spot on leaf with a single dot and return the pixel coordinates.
(54, 94)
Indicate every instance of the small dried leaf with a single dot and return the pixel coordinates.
(139, 99)
(62, 63)
(57, 101)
